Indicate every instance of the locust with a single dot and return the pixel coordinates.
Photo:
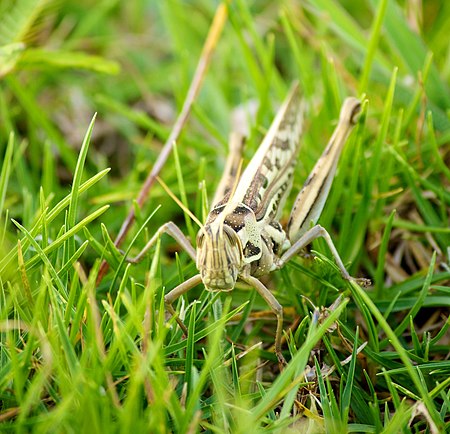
(242, 238)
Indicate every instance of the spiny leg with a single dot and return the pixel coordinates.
(174, 231)
(228, 180)
(307, 238)
(310, 201)
(179, 290)
(276, 308)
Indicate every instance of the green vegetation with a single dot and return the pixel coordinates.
(84, 354)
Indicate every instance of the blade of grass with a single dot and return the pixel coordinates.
(419, 300)
(349, 382)
(205, 57)
(51, 215)
(402, 353)
(183, 192)
(373, 44)
(188, 366)
(5, 172)
(73, 204)
(413, 51)
(42, 255)
(363, 213)
(65, 236)
(292, 375)
(379, 273)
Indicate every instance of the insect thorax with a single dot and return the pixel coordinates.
(232, 242)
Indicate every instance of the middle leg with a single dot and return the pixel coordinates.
(307, 238)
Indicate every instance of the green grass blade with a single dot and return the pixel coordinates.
(419, 301)
(402, 353)
(287, 380)
(5, 172)
(73, 204)
(373, 45)
(51, 215)
(42, 255)
(379, 281)
(66, 235)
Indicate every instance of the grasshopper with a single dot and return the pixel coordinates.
(242, 237)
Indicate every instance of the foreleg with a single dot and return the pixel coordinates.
(276, 308)
(174, 231)
(181, 289)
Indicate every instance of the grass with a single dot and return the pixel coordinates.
(82, 355)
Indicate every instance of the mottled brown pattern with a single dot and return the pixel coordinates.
(272, 178)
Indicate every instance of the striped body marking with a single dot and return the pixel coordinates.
(248, 218)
